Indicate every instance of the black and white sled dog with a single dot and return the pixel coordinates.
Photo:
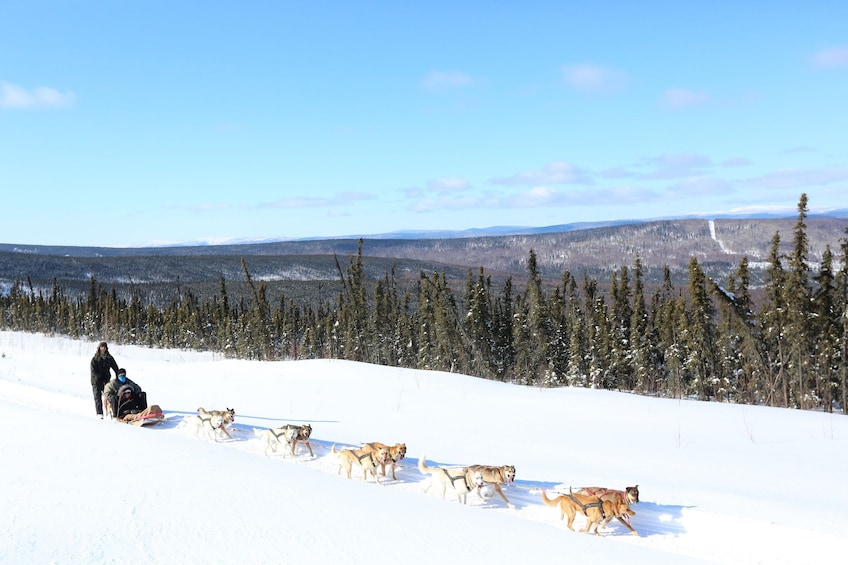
(213, 423)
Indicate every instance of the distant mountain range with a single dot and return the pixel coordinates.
(493, 231)
(309, 269)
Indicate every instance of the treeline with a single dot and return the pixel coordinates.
(707, 340)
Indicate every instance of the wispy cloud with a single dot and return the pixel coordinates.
(548, 197)
(831, 58)
(675, 165)
(440, 81)
(450, 202)
(557, 172)
(799, 178)
(593, 78)
(537, 197)
(798, 149)
(448, 185)
(340, 199)
(682, 98)
(736, 162)
(699, 186)
(13, 96)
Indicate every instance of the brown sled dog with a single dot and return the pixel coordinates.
(397, 452)
(629, 495)
(366, 459)
(304, 432)
(497, 476)
(621, 499)
(595, 509)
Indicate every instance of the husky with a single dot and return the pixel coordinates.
(366, 459)
(462, 481)
(397, 452)
(496, 476)
(214, 422)
(285, 436)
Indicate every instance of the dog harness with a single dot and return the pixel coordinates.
(208, 419)
(454, 478)
(276, 435)
(599, 505)
(369, 454)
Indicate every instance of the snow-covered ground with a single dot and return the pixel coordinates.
(719, 483)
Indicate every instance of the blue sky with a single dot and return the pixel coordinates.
(140, 123)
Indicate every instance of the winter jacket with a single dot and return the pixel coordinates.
(100, 365)
(112, 387)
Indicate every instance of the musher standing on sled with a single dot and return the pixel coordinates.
(100, 365)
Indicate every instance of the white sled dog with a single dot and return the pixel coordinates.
(462, 481)
(213, 422)
(285, 436)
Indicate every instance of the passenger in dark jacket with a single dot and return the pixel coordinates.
(123, 395)
(101, 363)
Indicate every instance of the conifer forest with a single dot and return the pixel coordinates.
(784, 345)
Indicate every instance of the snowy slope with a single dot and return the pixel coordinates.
(719, 483)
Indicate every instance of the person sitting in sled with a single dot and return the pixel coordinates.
(121, 396)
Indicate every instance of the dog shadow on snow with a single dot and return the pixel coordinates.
(651, 518)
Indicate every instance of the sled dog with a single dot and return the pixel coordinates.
(397, 452)
(630, 495)
(497, 476)
(462, 481)
(229, 415)
(304, 432)
(214, 422)
(291, 435)
(621, 499)
(595, 509)
(366, 459)
(208, 425)
(284, 435)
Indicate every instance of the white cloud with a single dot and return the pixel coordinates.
(448, 185)
(438, 81)
(681, 160)
(675, 165)
(593, 78)
(16, 97)
(450, 203)
(831, 58)
(799, 178)
(699, 186)
(556, 172)
(680, 98)
(340, 199)
(548, 197)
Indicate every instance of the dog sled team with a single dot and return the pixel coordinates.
(123, 400)
(599, 506)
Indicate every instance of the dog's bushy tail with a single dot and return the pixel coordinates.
(548, 501)
(422, 466)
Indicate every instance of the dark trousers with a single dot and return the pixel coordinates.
(97, 391)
